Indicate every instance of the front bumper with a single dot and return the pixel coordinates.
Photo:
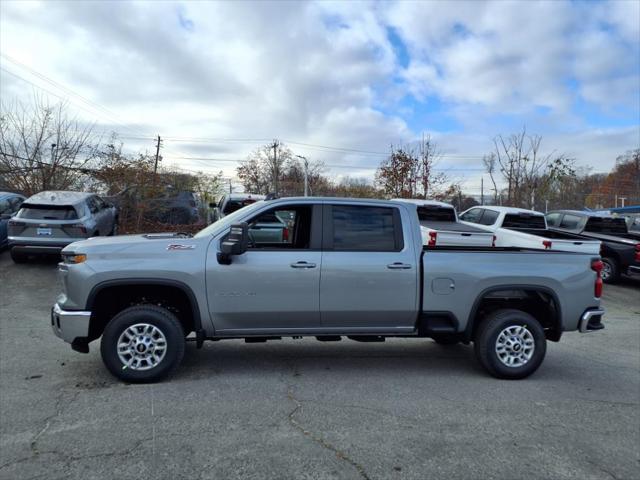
(70, 325)
(594, 315)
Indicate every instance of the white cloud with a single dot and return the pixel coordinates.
(326, 73)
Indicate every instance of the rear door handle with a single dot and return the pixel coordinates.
(303, 265)
(399, 266)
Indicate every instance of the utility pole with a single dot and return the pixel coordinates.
(306, 174)
(155, 167)
(230, 186)
(622, 199)
(481, 190)
(276, 172)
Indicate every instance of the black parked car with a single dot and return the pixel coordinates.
(620, 249)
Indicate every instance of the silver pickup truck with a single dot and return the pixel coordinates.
(348, 268)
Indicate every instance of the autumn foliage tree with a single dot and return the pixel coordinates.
(411, 173)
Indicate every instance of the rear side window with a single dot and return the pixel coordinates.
(233, 205)
(489, 217)
(570, 222)
(436, 214)
(522, 220)
(374, 229)
(47, 212)
(606, 225)
(472, 215)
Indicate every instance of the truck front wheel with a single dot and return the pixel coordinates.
(510, 344)
(144, 343)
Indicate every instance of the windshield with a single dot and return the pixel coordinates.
(227, 221)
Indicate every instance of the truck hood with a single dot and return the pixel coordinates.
(146, 243)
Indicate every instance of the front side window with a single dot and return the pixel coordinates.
(285, 227)
(5, 207)
(365, 229)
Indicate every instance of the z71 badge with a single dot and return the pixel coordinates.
(177, 246)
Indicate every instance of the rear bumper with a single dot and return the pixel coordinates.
(70, 325)
(24, 245)
(634, 269)
(594, 315)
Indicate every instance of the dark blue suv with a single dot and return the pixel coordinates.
(9, 206)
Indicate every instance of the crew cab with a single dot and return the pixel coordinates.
(440, 227)
(350, 268)
(517, 227)
(620, 249)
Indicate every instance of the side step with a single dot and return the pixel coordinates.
(366, 338)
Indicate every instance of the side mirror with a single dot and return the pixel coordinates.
(212, 204)
(236, 243)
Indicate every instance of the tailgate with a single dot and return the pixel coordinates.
(452, 239)
(580, 246)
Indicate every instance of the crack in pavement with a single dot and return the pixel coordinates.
(319, 440)
(289, 365)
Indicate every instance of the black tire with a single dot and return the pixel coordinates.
(18, 257)
(163, 320)
(446, 340)
(487, 336)
(610, 271)
(114, 230)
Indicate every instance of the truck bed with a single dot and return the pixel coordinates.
(451, 226)
(563, 240)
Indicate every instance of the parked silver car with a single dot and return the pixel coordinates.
(49, 221)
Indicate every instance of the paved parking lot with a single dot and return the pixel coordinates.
(306, 409)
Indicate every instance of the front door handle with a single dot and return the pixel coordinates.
(399, 266)
(303, 265)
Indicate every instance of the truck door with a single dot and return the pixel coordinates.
(369, 275)
(275, 284)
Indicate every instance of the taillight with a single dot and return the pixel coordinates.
(75, 229)
(15, 223)
(596, 266)
(637, 256)
(285, 234)
(493, 241)
(547, 244)
(433, 237)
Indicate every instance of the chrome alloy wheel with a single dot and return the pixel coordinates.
(515, 346)
(141, 346)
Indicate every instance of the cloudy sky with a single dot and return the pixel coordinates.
(338, 81)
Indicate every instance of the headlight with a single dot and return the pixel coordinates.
(72, 258)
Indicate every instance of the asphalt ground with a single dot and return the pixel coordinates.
(303, 409)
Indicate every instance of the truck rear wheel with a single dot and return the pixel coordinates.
(610, 270)
(510, 344)
(142, 344)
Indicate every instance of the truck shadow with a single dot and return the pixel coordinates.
(303, 357)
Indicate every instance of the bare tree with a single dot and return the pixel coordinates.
(42, 148)
(523, 166)
(489, 162)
